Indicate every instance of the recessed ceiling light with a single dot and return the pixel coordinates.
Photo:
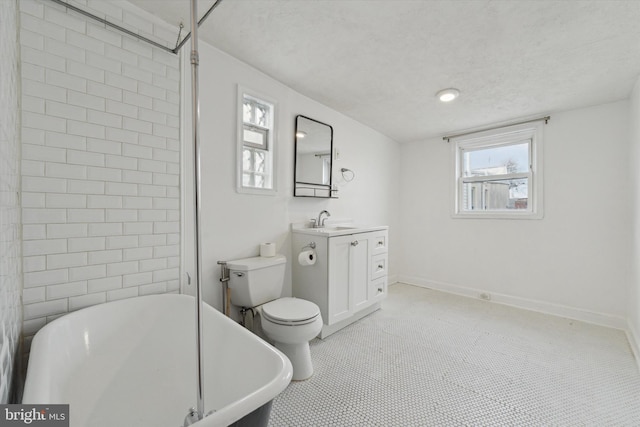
(448, 95)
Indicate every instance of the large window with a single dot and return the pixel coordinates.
(256, 143)
(499, 173)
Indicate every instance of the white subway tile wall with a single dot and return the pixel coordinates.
(10, 266)
(100, 158)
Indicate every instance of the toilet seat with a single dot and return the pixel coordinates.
(290, 311)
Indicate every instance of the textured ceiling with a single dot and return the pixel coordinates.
(382, 61)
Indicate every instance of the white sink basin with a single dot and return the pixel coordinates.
(336, 230)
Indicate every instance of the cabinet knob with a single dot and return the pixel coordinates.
(380, 290)
(380, 243)
(354, 243)
(380, 266)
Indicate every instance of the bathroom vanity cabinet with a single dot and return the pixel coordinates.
(348, 280)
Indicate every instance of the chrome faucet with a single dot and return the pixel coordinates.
(319, 223)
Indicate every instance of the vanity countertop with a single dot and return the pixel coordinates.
(332, 230)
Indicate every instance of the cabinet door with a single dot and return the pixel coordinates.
(359, 269)
(339, 277)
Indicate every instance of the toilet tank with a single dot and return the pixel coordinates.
(257, 280)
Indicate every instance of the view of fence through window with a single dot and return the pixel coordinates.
(497, 177)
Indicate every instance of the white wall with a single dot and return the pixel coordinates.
(10, 247)
(634, 164)
(234, 224)
(573, 262)
(100, 159)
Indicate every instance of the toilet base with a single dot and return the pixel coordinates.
(300, 358)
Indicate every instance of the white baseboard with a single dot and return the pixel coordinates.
(525, 303)
(634, 340)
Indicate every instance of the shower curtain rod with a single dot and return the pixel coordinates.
(131, 33)
(199, 412)
(539, 119)
(205, 16)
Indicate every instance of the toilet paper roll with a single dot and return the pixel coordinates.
(307, 257)
(267, 249)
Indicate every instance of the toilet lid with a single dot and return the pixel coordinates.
(290, 310)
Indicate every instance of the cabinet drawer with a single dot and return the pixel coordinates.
(378, 244)
(378, 266)
(377, 289)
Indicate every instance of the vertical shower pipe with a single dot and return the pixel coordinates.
(195, 114)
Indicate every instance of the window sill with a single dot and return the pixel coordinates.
(257, 191)
(497, 215)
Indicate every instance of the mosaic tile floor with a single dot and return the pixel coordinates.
(433, 359)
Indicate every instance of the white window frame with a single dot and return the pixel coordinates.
(271, 143)
(530, 132)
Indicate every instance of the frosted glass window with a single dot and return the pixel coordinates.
(256, 137)
(256, 131)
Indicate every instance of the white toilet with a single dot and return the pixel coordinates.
(289, 322)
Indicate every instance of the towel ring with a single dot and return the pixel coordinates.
(345, 174)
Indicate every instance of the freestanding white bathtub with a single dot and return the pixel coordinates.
(132, 363)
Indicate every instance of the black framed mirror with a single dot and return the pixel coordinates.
(313, 158)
